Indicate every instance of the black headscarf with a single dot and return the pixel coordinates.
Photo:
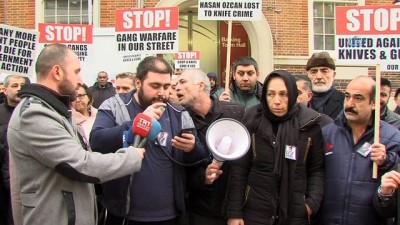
(287, 135)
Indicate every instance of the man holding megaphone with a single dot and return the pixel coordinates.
(280, 180)
(207, 183)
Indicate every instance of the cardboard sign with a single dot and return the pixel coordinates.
(147, 30)
(369, 35)
(187, 59)
(77, 37)
(17, 50)
(236, 10)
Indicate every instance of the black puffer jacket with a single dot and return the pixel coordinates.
(252, 185)
(208, 200)
(100, 94)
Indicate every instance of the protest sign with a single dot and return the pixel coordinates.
(187, 59)
(239, 10)
(17, 50)
(147, 30)
(369, 35)
(78, 37)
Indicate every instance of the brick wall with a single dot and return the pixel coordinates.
(108, 7)
(2, 9)
(20, 13)
(289, 27)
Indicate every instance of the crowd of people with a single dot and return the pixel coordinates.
(69, 152)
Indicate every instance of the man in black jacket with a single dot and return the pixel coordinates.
(102, 89)
(305, 96)
(206, 192)
(327, 99)
(387, 115)
(12, 84)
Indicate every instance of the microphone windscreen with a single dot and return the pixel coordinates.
(127, 138)
(125, 143)
(141, 125)
(155, 130)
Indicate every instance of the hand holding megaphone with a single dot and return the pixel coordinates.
(227, 139)
(213, 171)
(223, 148)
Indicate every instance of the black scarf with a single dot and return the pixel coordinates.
(319, 99)
(286, 135)
(60, 103)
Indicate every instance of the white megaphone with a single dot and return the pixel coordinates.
(227, 139)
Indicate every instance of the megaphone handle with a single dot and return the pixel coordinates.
(213, 175)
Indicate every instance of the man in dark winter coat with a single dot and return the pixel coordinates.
(305, 96)
(102, 89)
(245, 88)
(387, 115)
(280, 180)
(155, 194)
(350, 151)
(13, 84)
(216, 90)
(206, 192)
(326, 98)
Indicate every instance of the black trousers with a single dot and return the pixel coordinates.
(196, 219)
(114, 220)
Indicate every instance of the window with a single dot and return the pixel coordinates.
(324, 23)
(68, 11)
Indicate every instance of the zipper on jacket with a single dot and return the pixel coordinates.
(309, 141)
(128, 196)
(246, 195)
(253, 145)
(348, 188)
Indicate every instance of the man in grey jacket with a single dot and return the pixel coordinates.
(55, 173)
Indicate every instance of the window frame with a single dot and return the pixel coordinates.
(311, 22)
(92, 19)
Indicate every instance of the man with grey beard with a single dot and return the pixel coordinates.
(326, 98)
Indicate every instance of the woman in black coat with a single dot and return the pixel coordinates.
(280, 180)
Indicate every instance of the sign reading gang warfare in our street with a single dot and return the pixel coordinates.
(237, 10)
(147, 30)
(369, 35)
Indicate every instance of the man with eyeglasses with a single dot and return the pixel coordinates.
(326, 98)
(245, 88)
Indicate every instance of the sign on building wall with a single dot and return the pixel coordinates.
(146, 30)
(239, 44)
(238, 10)
(187, 59)
(18, 49)
(369, 35)
(77, 37)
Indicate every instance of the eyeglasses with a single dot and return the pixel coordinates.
(80, 95)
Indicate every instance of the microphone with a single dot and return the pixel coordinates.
(141, 128)
(127, 138)
(155, 130)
